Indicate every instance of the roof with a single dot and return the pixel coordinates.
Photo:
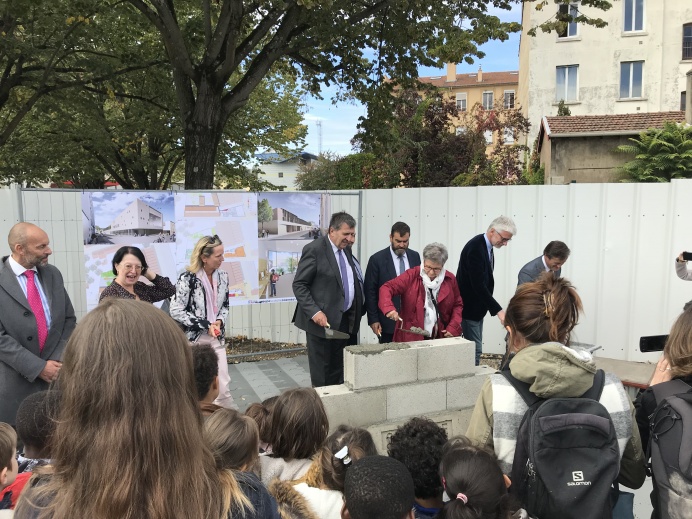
(598, 125)
(470, 80)
(278, 158)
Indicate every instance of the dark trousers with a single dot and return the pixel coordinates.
(386, 338)
(326, 356)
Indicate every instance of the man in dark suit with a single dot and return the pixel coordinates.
(383, 266)
(476, 281)
(554, 256)
(328, 287)
(36, 320)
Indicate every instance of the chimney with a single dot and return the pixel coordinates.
(688, 99)
(479, 78)
(451, 72)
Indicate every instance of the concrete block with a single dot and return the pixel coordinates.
(454, 422)
(445, 358)
(355, 408)
(463, 392)
(378, 365)
(416, 399)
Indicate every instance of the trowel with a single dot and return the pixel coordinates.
(334, 334)
(413, 329)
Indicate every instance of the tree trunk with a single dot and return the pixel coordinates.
(202, 135)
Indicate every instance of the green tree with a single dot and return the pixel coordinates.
(334, 172)
(660, 154)
(264, 212)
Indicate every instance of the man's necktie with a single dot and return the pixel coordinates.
(36, 305)
(402, 266)
(492, 259)
(344, 277)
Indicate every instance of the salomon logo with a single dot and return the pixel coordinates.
(578, 479)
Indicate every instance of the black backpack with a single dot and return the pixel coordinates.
(567, 457)
(670, 447)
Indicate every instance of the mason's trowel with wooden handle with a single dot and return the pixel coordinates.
(413, 329)
(334, 334)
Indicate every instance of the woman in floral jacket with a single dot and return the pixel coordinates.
(200, 305)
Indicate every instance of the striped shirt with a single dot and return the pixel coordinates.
(21, 279)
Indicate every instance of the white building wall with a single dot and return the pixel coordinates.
(599, 52)
(624, 238)
(289, 169)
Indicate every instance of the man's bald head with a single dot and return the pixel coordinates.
(29, 245)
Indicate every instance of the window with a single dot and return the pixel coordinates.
(488, 134)
(508, 135)
(570, 29)
(509, 99)
(631, 79)
(687, 41)
(461, 102)
(488, 100)
(634, 15)
(683, 101)
(566, 83)
(281, 175)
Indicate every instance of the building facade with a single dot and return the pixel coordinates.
(281, 170)
(138, 219)
(485, 88)
(636, 64)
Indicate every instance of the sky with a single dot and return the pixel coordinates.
(339, 121)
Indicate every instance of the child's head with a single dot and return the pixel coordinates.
(344, 446)
(206, 372)
(261, 413)
(473, 481)
(378, 486)
(232, 438)
(418, 445)
(8, 455)
(36, 423)
(299, 424)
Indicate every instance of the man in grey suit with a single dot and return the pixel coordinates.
(36, 320)
(328, 287)
(554, 256)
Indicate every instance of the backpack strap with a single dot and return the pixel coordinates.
(669, 388)
(595, 391)
(521, 387)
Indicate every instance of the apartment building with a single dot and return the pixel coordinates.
(637, 64)
(481, 87)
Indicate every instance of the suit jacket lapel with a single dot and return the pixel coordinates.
(331, 259)
(391, 270)
(8, 281)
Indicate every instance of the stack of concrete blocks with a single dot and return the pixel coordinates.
(386, 384)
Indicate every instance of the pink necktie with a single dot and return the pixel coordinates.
(37, 307)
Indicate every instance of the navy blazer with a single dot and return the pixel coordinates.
(380, 270)
(476, 281)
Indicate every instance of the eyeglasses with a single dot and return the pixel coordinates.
(428, 268)
(502, 238)
(137, 268)
(213, 239)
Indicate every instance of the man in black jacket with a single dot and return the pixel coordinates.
(476, 281)
(383, 266)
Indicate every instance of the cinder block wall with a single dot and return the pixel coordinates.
(385, 385)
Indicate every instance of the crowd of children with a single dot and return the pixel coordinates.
(130, 431)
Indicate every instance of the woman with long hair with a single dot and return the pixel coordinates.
(129, 265)
(675, 364)
(128, 440)
(540, 318)
(200, 305)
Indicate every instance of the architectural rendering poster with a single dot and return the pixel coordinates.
(112, 219)
(286, 222)
(260, 233)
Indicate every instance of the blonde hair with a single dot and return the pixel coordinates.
(233, 439)
(128, 440)
(678, 349)
(204, 247)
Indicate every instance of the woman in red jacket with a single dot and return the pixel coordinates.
(430, 298)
